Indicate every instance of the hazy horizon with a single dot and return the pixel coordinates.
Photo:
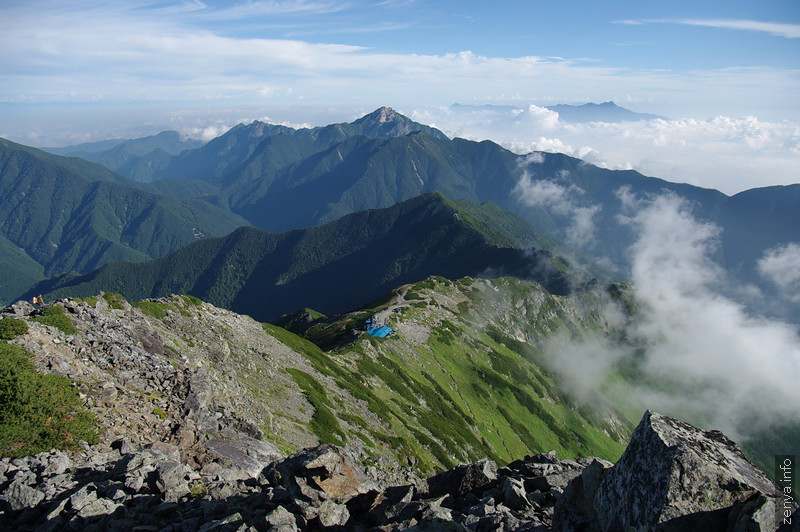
(726, 74)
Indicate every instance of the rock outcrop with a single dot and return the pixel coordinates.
(186, 402)
(672, 477)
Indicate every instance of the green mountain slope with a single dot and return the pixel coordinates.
(756, 220)
(361, 173)
(18, 271)
(450, 383)
(137, 158)
(340, 265)
(564, 197)
(444, 390)
(68, 214)
(280, 178)
(259, 149)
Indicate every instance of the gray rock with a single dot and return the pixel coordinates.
(171, 480)
(98, 507)
(574, 510)
(675, 475)
(463, 479)
(134, 484)
(107, 396)
(20, 496)
(124, 446)
(281, 516)
(57, 464)
(514, 494)
(222, 523)
(83, 497)
(20, 308)
(556, 480)
(165, 450)
(245, 453)
(55, 509)
(483, 508)
(325, 469)
(333, 514)
(283, 528)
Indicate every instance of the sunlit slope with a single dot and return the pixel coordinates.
(450, 384)
(340, 265)
(69, 214)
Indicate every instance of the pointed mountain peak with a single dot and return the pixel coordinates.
(386, 122)
(382, 116)
(387, 114)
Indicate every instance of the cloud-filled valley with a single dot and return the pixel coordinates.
(691, 349)
(726, 153)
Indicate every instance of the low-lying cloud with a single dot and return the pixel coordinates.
(727, 153)
(700, 355)
(781, 266)
(559, 197)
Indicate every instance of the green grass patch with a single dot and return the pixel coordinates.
(38, 412)
(56, 316)
(324, 423)
(10, 328)
(115, 300)
(191, 300)
(154, 309)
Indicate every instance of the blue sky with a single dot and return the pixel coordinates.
(85, 69)
(664, 54)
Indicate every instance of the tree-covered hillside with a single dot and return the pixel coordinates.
(67, 214)
(340, 265)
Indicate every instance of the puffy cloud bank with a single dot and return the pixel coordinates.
(726, 153)
(559, 197)
(781, 266)
(698, 353)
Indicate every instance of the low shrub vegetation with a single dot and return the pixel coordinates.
(38, 412)
(10, 328)
(56, 316)
(323, 423)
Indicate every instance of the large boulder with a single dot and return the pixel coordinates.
(246, 453)
(463, 479)
(674, 476)
(320, 473)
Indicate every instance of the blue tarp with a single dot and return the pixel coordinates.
(380, 332)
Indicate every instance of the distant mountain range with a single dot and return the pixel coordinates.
(340, 265)
(587, 112)
(133, 158)
(279, 178)
(59, 214)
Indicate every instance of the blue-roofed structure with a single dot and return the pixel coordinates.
(380, 332)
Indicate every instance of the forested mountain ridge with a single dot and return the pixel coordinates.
(68, 214)
(342, 264)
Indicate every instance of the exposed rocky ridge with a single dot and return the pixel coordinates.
(324, 488)
(193, 375)
(142, 389)
(190, 397)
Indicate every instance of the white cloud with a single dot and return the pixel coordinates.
(726, 153)
(781, 266)
(559, 199)
(125, 52)
(789, 31)
(701, 355)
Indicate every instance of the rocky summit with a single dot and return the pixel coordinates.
(325, 488)
(187, 442)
